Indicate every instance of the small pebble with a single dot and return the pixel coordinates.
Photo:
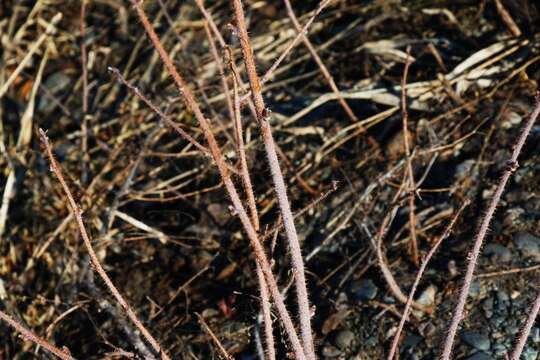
(498, 253)
(344, 339)
(477, 340)
(364, 290)
(529, 354)
(411, 341)
(500, 349)
(479, 356)
(503, 297)
(476, 289)
(535, 334)
(330, 351)
(427, 298)
(528, 244)
(487, 306)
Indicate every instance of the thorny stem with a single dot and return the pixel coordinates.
(77, 213)
(512, 166)
(423, 267)
(30, 336)
(231, 189)
(241, 149)
(279, 183)
(522, 340)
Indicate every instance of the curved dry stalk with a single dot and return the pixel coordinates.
(419, 275)
(279, 183)
(77, 213)
(522, 340)
(381, 258)
(229, 185)
(511, 167)
(393, 286)
(30, 336)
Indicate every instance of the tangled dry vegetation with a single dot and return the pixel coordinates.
(267, 179)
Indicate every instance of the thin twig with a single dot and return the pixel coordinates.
(164, 117)
(214, 337)
(84, 123)
(51, 28)
(472, 257)
(77, 213)
(507, 19)
(410, 173)
(30, 336)
(419, 275)
(221, 70)
(223, 44)
(301, 34)
(318, 60)
(229, 185)
(279, 183)
(154, 108)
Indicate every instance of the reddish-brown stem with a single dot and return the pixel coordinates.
(77, 213)
(522, 340)
(419, 275)
(279, 183)
(472, 257)
(229, 186)
(30, 336)
(320, 63)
